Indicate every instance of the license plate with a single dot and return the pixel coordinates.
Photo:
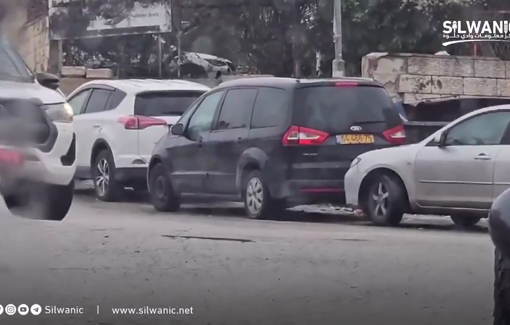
(10, 158)
(355, 138)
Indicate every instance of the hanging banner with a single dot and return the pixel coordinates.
(74, 19)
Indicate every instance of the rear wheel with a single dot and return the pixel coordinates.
(385, 201)
(107, 188)
(41, 201)
(162, 194)
(258, 203)
(465, 221)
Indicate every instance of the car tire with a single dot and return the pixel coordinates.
(258, 203)
(385, 201)
(465, 221)
(42, 201)
(163, 196)
(106, 187)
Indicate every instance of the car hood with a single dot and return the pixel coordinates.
(392, 150)
(388, 156)
(29, 90)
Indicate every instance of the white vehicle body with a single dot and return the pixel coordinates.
(17, 82)
(211, 64)
(462, 167)
(48, 167)
(38, 141)
(109, 115)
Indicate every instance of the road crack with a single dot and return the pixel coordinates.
(239, 240)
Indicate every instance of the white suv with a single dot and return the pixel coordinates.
(37, 141)
(118, 123)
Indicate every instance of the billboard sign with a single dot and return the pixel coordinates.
(77, 18)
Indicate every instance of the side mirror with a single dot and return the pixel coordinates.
(177, 129)
(48, 80)
(440, 139)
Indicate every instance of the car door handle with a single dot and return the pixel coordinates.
(483, 156)
(97, 126)
(239, 139)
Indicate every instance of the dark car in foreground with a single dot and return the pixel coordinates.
(272, 143)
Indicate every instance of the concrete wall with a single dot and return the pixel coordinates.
(415, 77)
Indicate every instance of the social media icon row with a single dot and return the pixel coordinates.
(22, 309)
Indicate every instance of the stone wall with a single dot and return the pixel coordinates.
(416, 77)
(74, 77)
(34, 44)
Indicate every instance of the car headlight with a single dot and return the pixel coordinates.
(59, 112)
(355, 162)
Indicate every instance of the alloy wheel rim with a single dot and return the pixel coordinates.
(159, 187)
(103, 177)
(254, 195)
(381, 200)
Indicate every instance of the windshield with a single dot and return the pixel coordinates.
(165, 103)
(336, 109)
(12, 66)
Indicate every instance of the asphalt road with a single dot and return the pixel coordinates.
(306, 270)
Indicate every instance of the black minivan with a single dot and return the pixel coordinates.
(272, 143)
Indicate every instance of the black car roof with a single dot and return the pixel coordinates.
(289, 82)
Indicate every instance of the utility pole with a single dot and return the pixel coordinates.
(338, 63)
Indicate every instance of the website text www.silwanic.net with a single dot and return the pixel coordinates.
(146, 310)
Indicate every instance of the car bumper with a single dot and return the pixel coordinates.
(308, 191)
(352, 184)
(57, 166)
(138, 174)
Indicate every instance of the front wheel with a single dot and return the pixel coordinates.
(42, 201)
(464, 221)
(385, 201)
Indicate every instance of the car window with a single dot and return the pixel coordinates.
(486, 129)
(97, 101)
(78, 101)
(203, 117)
(13, 67)
(189, 111)
(116, 97)
(270, 108)
(236, 108)
(335, 109)
(171, 103)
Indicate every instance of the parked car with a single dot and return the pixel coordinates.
(118, 122)
(457, 171)
(37, 141)
(272, 142)
(202, 65)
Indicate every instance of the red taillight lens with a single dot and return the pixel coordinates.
(297, 135)
(9, 157)
(396, 135)
(134, 122)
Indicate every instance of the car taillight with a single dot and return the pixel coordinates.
(9, 157)
(297, 135)
(134, 122)
(396, 135)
